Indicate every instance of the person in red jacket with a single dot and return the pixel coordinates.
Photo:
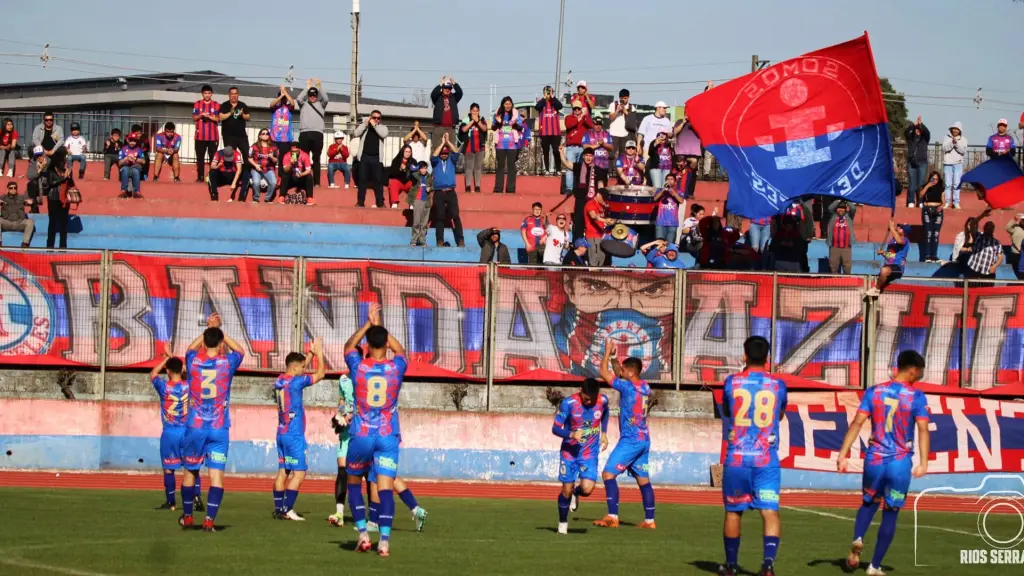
(337, 160)
(576, 126)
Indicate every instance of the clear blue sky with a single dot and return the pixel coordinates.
(930, 49)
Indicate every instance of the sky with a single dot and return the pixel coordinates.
(933, 51)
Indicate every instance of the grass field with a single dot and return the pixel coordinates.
(105, 532)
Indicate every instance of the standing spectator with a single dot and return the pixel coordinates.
(13, 217)
(1001, 143)
(144, 144)
(8, 147)
(918, 136)
(491, 247)
(659, 155)
(760, 236)
(445, 97)
(576, 126)
(225, 170)
(653, 125)
(298, 175)
(129, 162)
(691, 240)
(473, 134)
(168, 149)
(417, 140)
(549, 128)
(686, 142)
(77, 147)
(954, 148)
(312, 111)
(685, 172)
(895, 255)
(337, 160)
(398, 175)
(584, 99)
(716, 254)
(206, 113)
(49, 135)
(446, 202)
(666, 224)
(508, 132)
(1015, 228)
(987, 254)
(111, 151)
(624, 124)
(282, 110)
(556, 242)
(534, 233)
(263, 161)
(589, 178)
(370, 168)
(422, 200)
(595, 225)
(930, 198)
(630, 167)
(233, 115)
(841, 237)
(788, 249)
(601, 141)
(36, 167)
(54, 184)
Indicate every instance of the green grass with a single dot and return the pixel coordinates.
(89, 533)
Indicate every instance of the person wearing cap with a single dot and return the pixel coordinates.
(312, 111)
(446, 201)
(1001, 143)
(918, 139)
(549, 128)
(168, 149)
(12, 214)
(661, 254)
(840, 237)
(298, 175)
(1015, 228)
(654, 124)
(77, 147)
(556, 239)
(129, 162)
(895, 255)
(630, 168)
(576, 126)
(337, 160)
(583, 98)
(206, 114)
(226, 170)
(473, 135)
(263, 161)
(578, 255)
(492, 249)
(601, 141)
(144, 144)
(588, 178)
(954, 149)
(595, 224)
(508, 135)
(48, 134)
(282, 111)
(371, 134)
(445, 97)
(623, 123)
(987, 254)
(417, 140)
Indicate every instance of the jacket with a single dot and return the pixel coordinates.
(1016, 236)
(953, 153)
(850, 211)
(311, 114)
(453, 103)
(917, 146)
(487, 248)
(57, 133)
(380, 130)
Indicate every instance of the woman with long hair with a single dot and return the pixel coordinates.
(8, 147)
(398, 174)
(930, 198)
(263, 160)
(963, 244)
(473, 135)
(54, 183)
(508, 134)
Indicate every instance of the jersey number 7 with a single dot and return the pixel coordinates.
(891, 405)
(764, 407)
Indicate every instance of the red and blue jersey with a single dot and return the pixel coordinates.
(630, 166)
(893, 407)
(796, 211)
(206, 129)
(664, 155)
(594, 138)
(573, 415)
(210, 380)
(377, 384)
(165, 142)
(896, 254)
(535, 228)
(265, 156)
(474, 137)
(841, 232)
(173, 401)
(227, 164)
(633, 399)
(291, 414)
(550, 118)
(131, 153)
(753, 403)
(1001, 143)
(281, 122)
(762, 221)
(422, 191)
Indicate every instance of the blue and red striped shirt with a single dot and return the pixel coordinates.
(206, 129)
(796, 211)
(474, 137)
(841, 232)
(550, 118)
(165, 142)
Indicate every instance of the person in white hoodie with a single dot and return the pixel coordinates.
(954, 148)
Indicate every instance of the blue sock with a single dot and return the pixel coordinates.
(187, 499)
(279, 500)
(375, 510)
(771, 548)
(290, 496)
(357, 506)
(213, 502)
(387, 513)
(732, 550)
(647, 496)
(611, 490)
(563, 508)
(170, 489)
(864, 516)
(198, 488)
(409, 499)
(886, 532)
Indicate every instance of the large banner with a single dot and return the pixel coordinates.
(968, 434)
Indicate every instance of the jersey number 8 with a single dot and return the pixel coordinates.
(376, 391)
(764, 407)
(209, 384)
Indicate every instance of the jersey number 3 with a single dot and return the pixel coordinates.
(764, 407)
(209, 384)
(376, 391)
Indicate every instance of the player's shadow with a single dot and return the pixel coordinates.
(349, 545)
(841, 564)
(712, 567)
(555, 530)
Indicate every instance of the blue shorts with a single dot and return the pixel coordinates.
(746, 487)
(573, 468)
(632, 456)
(895, 271)
(889, 481)
(291, 453)
(376, 454)
(171, 440)
(209, 446)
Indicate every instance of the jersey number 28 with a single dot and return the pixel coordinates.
(764, 407)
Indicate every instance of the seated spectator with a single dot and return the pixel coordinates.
(111, 151)
(841, 237)
(963, 243)
(49, 135)
(660, 154)
(144, 144)
(417, 140)
(661, 254)
(1001, 143)
(263, 167)
(788, 248)
(225, 170)
(716, 252)
(13, 217)
(987, 254)
(895, 255)
(556, 241)
(630, 167)
(398, 175)
(8, 147)
(36, 167)
(130, 161)
(168, 149)
(77, 147)
(298, 175)
(421, 204)
(534, 233)
(691, 240)
(337, 160)
(446, 202)
(666, 224)
(491, 247)
(578, 255)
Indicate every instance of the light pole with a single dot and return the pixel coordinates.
(353, 95)
(558, 65)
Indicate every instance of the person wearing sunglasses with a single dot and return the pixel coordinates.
(556, 242)
(13, 217)
(48, 134)
(372, 134)
(263, 161)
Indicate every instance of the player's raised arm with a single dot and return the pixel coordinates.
(321, 366)
(604, 424)
(607, 370)
(353, 341)
(851, 436)
(159, 367)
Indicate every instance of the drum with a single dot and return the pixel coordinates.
(620, 241)
(632, 205)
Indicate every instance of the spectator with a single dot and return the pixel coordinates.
(508, 132)
(36, 167)
(659, 155)
(760, 236)
(666, 224)
(595, 225)
(895, 255)
(601, 141)
(686, 143)
(685, 172)
(661, 254)
(111, 151)
(49, 135)
(144, 144)
(918, 137)
(963, 244)
(549, 128)
(225, 170)
(534, 233)
(282, 110)
(987, 254)
(417, 140)
(589, 180)
(473, 131)
(578, 255)
(930, 198)
(556, 241)
(788, 249)
(716, 253)
(233, 115)
(446, 202)
(8, 147)
(129, 162)
(421, 204)
(1001, 143)
(954, 148)
(624, 124)
(1015, 228)
(263, 161)
(337, 160)
(692, 241)
(12, 214)
(55, 183)
(653, 125)
(630, 167)
(312, 110)
(298, 176)
(445, 98)
(491, 247)
(168, 149)
(799, 213)
(206, 113)
(371, 146)
(841, 237)
(77, 147)
(398, 175)
(584, 99)
(576, 126)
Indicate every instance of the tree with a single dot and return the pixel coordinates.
(895, 108)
